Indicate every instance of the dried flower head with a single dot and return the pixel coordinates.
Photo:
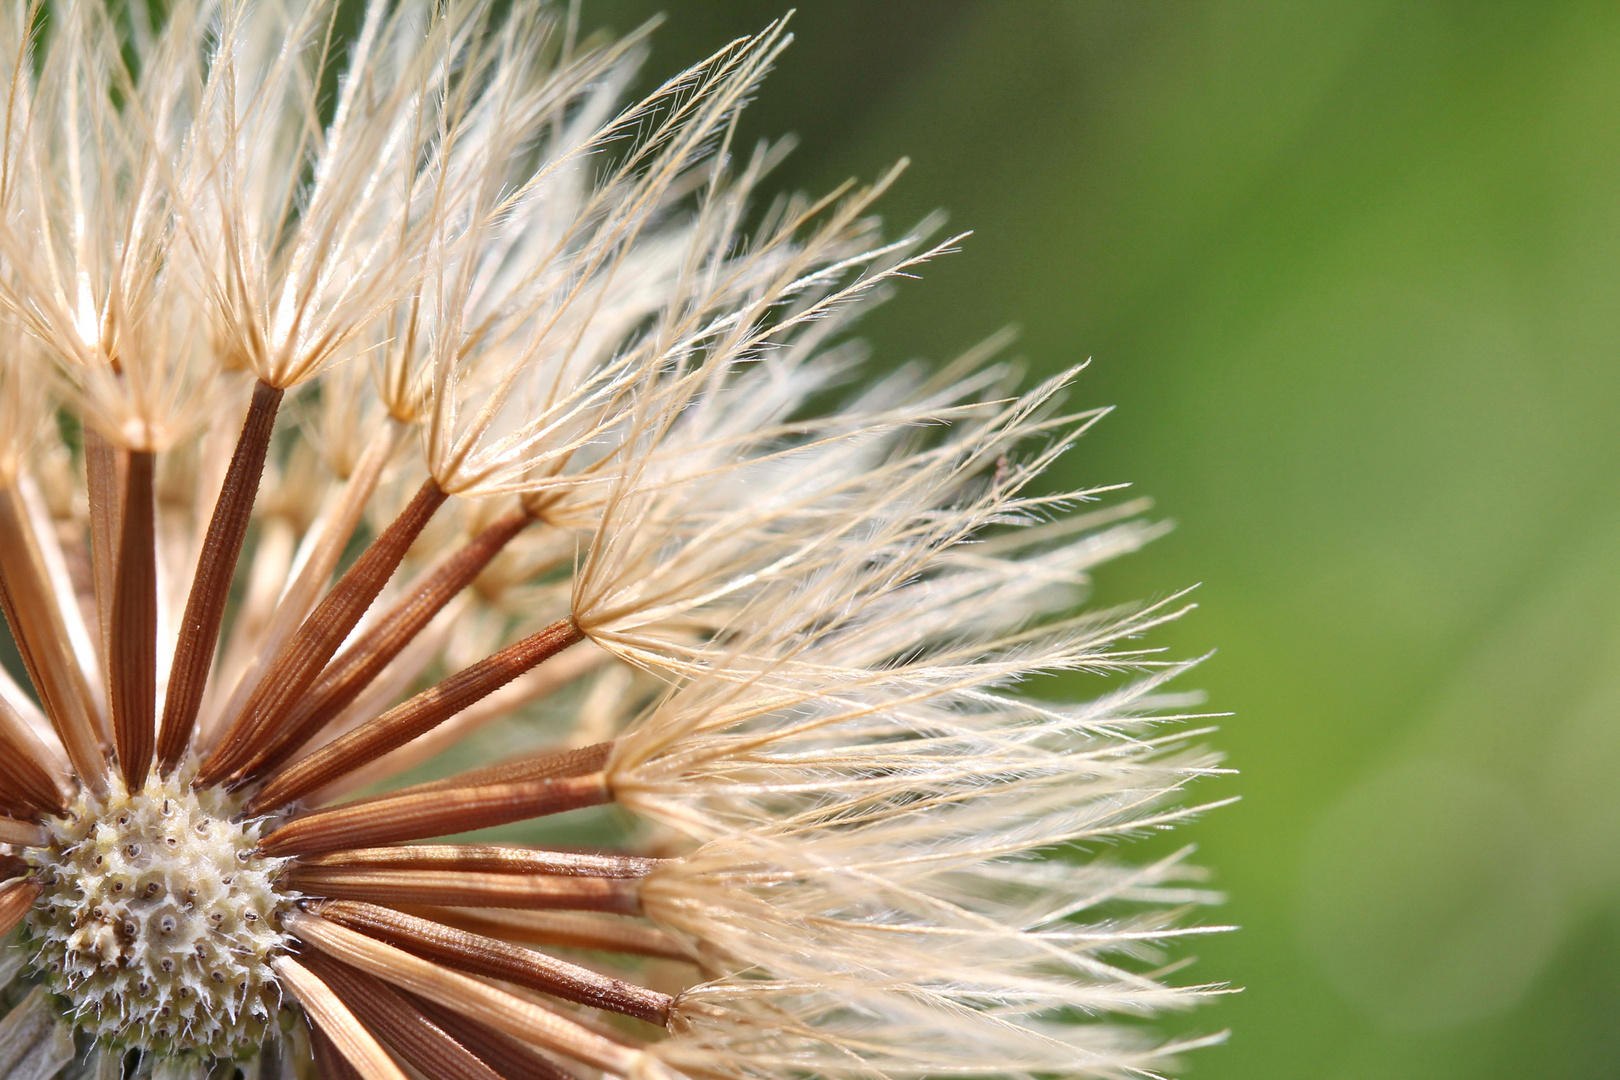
(386, 401)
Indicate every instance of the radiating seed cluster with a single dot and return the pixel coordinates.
(378, 393)
(158, 921)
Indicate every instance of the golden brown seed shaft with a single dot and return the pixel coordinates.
(333, 528)
(41, 639)
(496, 959)
(25, 833)
(398, 1023)
(306, 653)
(565, 928)
(19, 808)
(216, 565)
(420, 714)
(486, 857)
(334, 1018)
(467, 996)
(132, 674)
(559, 671)
(437, 813)
(103, 466)
(461, 888)
(24, 780)
(330, 1064)
(512, 1059)
(16, 897)
(362, 662)
(550, 765)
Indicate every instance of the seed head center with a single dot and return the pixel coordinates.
(158, 921)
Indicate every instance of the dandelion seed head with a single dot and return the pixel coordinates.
(403, 436)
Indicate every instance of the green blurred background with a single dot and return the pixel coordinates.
(1349, 271)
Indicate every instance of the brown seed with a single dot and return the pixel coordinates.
(490, 857)
(566, 928)
(216, 563)
(434, 813)
(359, 664)
(467, 996)
(16, 897)
(463, 889)
(495, 959)
(306, 653)
(41, 639)
(132, 661)
(549, 765)
(506, 1055)
(415, 717)
(397, 1022)
(335, 1020)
